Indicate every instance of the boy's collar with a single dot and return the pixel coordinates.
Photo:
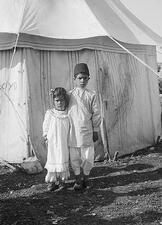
(82, 89)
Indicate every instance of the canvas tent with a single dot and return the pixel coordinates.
(149, 12)
(40, 43)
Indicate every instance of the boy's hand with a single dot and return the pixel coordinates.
(95, 136)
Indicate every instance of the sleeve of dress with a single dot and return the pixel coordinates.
(96, 116)
(46, 122)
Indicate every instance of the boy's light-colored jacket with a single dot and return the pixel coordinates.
(84, 115)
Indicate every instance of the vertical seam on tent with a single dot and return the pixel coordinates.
(47, 80)
(121, 111)
(49, 77)
(27, 107)
(76, 57)
(116, 95)
(70, 70)
(107, 150)
(46, 84)
(40, 77)
(30, 110)
(130, 98)
(45, 65)
(44, 80)
(126, 97)
(150, 99)
(71, 58)
(97, 74)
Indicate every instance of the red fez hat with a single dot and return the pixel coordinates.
(81, 68)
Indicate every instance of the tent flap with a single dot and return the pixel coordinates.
(7, 41)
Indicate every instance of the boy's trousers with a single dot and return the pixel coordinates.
(82, 157)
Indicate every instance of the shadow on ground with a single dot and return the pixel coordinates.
(125, 192)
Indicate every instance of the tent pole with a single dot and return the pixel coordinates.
(156, 73)
(28, 140)
(18, 32)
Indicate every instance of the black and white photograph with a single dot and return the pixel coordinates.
(81, 112)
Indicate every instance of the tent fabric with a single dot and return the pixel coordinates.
(129, 97)
(75, 19)
(149, 12)
(13, 109)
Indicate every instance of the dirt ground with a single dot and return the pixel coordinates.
(127, 191)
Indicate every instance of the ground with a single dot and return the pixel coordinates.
(123, 192)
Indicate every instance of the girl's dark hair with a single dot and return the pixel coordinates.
(60, 92)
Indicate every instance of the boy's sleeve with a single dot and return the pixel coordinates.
(46, 123)
(96, 116)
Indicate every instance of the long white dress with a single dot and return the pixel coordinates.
(56, 127)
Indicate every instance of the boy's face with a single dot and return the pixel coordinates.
(59, 103)
(81, 80)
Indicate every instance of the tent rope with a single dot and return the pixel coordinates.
(141, 61)
(14, 51)
(5, 93)
(27, 137)
(18, 33)
(11, 62)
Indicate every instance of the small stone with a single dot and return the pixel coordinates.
(50, 212)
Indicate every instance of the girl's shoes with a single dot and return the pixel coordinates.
(62, 186)
(52, 187)
(77, 186)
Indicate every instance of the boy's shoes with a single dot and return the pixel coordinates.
(52, 187)
(82, 184)
(77, 186)
(86, 184)
(78, 183)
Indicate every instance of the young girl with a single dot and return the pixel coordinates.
(55, 133)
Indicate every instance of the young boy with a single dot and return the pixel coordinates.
(85, 120)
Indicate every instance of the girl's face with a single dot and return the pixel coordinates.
(59, 103)
(81, 80)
